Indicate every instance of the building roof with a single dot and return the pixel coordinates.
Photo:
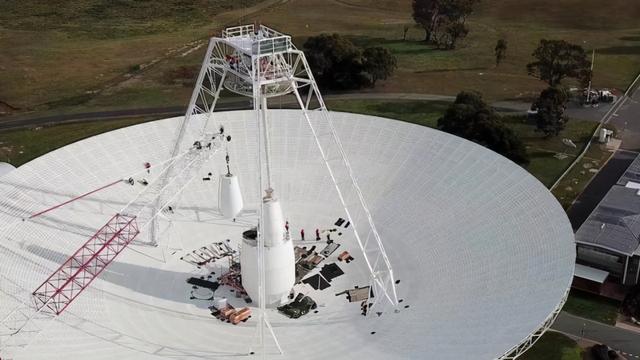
(615, 223)
(589, 273)
(632, 173)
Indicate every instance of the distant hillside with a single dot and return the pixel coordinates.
(111, 18)
(578, 14)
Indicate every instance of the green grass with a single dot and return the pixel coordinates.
(581, 174)
(592, 307)
(422, 68)
(105, 19)
(424, 113)
(20, 146)
(553, 346)
(543, 151)
(61, 52)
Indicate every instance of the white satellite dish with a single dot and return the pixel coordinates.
(466, 254)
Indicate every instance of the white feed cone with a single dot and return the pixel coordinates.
(279, 259)
(229, 199)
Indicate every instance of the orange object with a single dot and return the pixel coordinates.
(343, 256)
(228, 312)
(240, 315)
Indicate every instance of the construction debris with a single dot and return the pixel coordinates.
(213, 285)
(299, 307)
(357, 294)
(231, 314)
(345, 256)
(209, 253)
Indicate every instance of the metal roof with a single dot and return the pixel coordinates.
(632, 173)
(615, 223)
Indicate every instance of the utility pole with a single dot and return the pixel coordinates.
(593, 59)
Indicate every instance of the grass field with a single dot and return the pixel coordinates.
(471, 66)
(424, 113)
(592, 307)
(553, 346)
(106, 19)
(84, 55)
(61, 54)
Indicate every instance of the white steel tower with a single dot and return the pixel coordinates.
(261, 63)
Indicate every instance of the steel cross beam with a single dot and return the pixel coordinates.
(77, 273)
(317, 116)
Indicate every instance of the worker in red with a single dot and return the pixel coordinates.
(302, 234)
(286, 226)
(317, 234)
(148, 167)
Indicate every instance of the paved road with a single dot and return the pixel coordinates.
(627, 121)
(243, 103)
(616, 338)
(599, 186)
(166, 112)
(578, 111)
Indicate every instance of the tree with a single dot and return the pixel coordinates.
(405, 30)
(335, 61)
(425, 14)
(471, 118)
(338, 64)
(379, 63)
(443, 20)
(501, 51)
(550, 118)
(558, 59)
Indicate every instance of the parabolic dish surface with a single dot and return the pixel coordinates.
(483, 251)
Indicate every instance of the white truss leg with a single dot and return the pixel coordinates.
(203, 101)
(348, 190)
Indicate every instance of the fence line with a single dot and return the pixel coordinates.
(605, 119)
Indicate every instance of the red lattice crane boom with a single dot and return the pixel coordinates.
(75, 274)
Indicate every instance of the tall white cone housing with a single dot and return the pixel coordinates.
(230, 198)
(279, 259)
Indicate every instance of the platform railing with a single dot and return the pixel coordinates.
(243, 30)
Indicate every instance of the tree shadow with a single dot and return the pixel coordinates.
(409, 107)
(475, 68)
(620, 50)
(630, 38)
(398, 46)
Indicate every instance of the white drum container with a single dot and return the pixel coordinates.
(220, 303)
